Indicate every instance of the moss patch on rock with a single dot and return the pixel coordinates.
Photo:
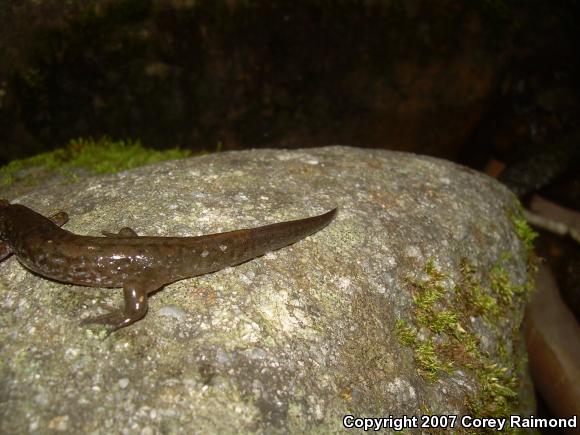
(443, 334)
(97, 156)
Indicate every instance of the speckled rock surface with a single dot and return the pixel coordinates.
(291, 341)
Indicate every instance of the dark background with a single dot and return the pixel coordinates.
(455, 79)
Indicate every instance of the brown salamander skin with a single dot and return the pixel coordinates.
(138, 264)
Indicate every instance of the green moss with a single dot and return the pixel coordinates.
(97, 156)
(503, 287)
(527, 236)
(447, 340)
(482, 303)
(432, 271)
(525, 233)
(497, 391)
(426, 354)
(430, 314)
(444, 321)
(429, 360)
(406, 334)
(498, 381)
(106, 156)
(428, 296)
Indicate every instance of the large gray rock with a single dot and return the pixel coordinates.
(408, 303)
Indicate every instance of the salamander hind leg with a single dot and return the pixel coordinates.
(123, 232)
(135, 296)
(59, 218)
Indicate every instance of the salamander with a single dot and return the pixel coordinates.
(139, 264)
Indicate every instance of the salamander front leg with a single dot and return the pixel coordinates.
(59, 218)
(123, 232)
(135, 295)
(5, 250)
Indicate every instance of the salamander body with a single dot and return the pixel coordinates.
(139, 264)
